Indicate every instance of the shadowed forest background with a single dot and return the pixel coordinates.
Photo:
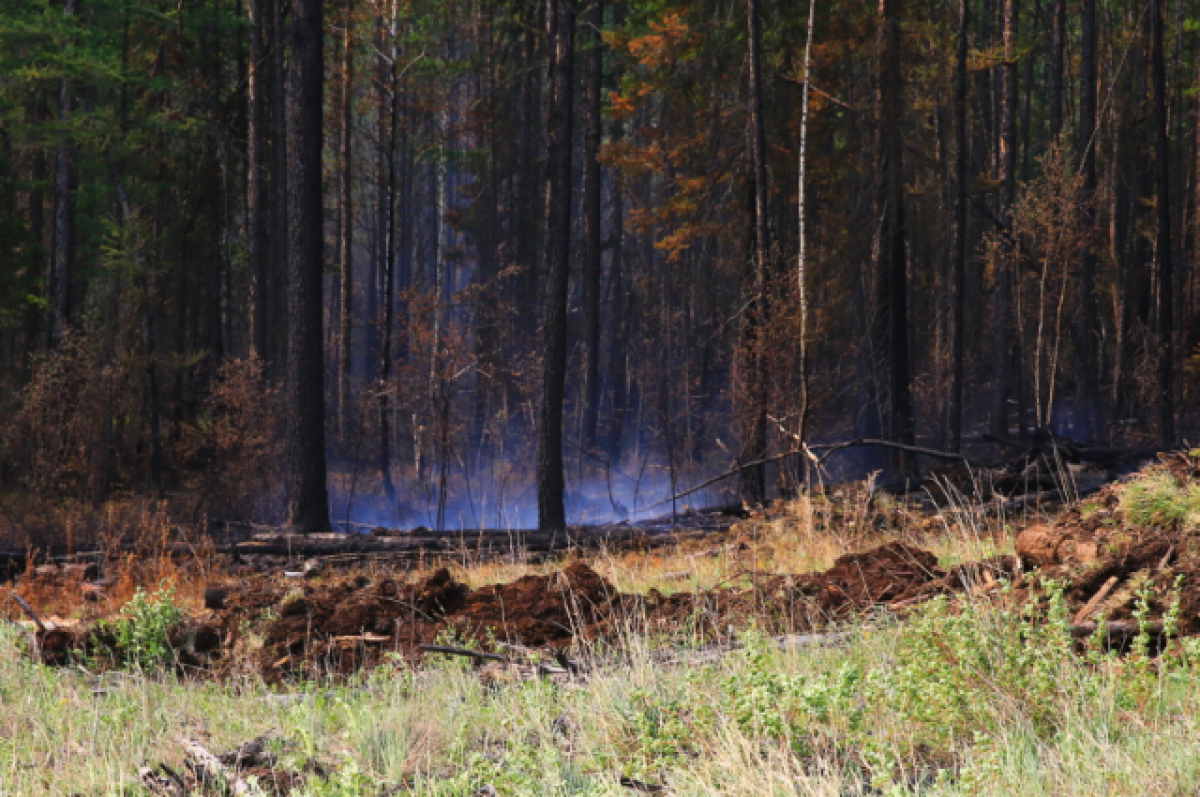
(435, 248)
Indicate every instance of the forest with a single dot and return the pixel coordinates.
(510, 263)
(508, 398)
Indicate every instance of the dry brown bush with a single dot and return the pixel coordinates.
(233, 445)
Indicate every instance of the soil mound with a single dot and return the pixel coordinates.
(879, 575)
(539, 610)
(1134, 541)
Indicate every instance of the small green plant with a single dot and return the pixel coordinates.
(139, 636)
(1156, 499)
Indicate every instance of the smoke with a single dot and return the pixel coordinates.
(594, 496)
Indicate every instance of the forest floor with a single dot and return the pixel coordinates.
(953, 650)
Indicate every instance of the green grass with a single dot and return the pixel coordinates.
(1155, 499)
(983, 701)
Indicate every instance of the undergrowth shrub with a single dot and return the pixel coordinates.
(1157, 499)
(233, 443)
(139, 636)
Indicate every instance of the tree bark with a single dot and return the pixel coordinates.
(754, 443)
(1085, 334)
(893, 248)
(256, 189)
(307, 498)
(346, 242)
(592, 182)
(1058, 45)
(277, 276)
(1163, 243)
(62, 248)
(392, 96)
(802, 242)
(1002, 337)
(561, 24)
(958, 280)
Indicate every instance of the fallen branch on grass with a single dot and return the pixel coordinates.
(828, 448)
(1119, 629)
(210, 768)
(474, 654)
(1086, 612)
(164, 782)
(25, 607)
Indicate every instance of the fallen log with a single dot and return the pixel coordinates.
(1118, 630)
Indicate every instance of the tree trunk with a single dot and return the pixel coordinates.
(893, 250)
(561, 24)
(346, 244)
(1085, 334)
(1002, 337)
(277, 278)
(754, 443)
(802, 243)
(1163, 243)
(307, 499)
(958, 280)
(256, 189)
(62, 248)
(1058, 46)
(592, 177)
(388, 273)
(1194, 331)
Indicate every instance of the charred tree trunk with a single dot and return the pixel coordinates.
(307, 499)
(893, 249)
(1058, 46)
(346, 244)
(277, 277)
(754, 442)
(62, 247)
(1163, 243)
(388, 267)
(958, 279)
(592, 177)
(1085, 332)
(256, 189)
(561, 24)
(1002, 337)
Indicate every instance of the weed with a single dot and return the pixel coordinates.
(139, 637)
(1155, 499)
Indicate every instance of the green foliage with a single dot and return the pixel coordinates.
(1155, 499)
(140, 634)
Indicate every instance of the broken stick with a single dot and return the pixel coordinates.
(212, 768)
(25, 607)
(474, 654)
(1095, 602)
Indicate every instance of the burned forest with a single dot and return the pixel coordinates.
(507, 397)
(506, 265)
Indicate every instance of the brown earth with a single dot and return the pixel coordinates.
(1085, 549)
(282, 628)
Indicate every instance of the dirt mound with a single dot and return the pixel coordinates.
(1133, 541)
(538, 610)
(281, 629)
(879, 575)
